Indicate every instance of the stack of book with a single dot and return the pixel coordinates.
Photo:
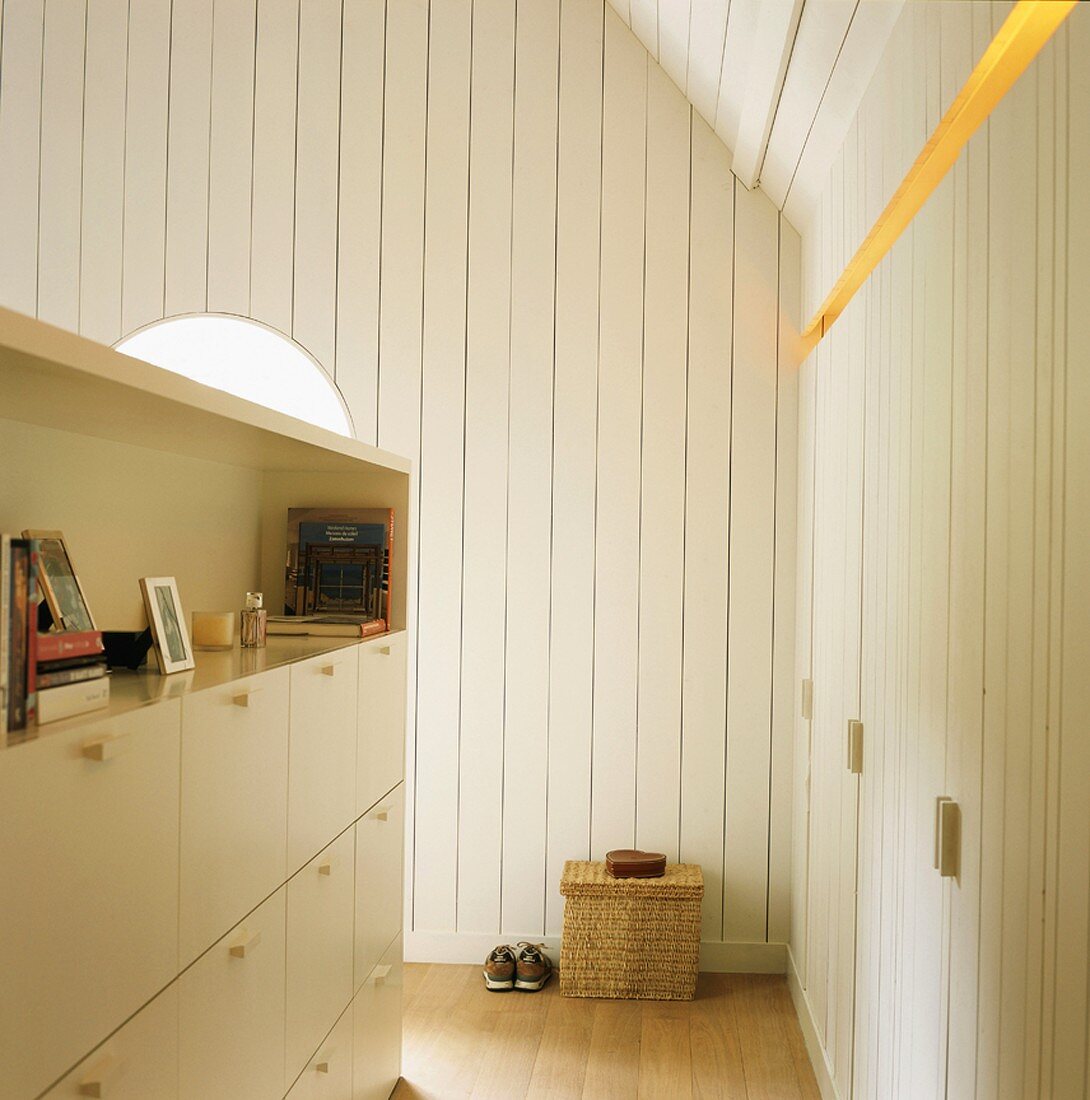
(71, 674)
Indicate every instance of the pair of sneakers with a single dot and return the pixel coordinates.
(528, 969)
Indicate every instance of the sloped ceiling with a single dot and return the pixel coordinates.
(778, 80)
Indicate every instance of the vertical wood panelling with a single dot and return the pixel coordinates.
(103, 212)
(314, 305)
(187, 156)
(359, 201)
(575, 415)
(620, 379)
(662, 469)
(752, 547)
(272, 215)
(61, 165)
(1058, 106)
(530, 462)
(1069, 1069)
(488, 357)
(230, 169)
(784, 697)
(148, 87)
(974, 986)
(435, 835)
(704, 657)
(20, 151)
(508, 237)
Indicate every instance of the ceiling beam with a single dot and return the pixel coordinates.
(776, 29)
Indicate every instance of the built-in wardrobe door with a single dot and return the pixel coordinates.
(834, 790)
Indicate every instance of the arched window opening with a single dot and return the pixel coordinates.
(243, 358)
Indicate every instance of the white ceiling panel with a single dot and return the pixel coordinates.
(778, 80)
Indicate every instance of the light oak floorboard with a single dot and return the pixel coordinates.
(738, 1040)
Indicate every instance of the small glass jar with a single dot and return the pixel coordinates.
(254, 622)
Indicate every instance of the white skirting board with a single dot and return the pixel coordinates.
(809, 1032)
(472, 947)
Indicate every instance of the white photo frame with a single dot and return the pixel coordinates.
(173, 649)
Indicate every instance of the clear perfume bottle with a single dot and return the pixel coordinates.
(254, 621)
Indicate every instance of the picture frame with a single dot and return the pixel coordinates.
(173, 649)
(60, 583)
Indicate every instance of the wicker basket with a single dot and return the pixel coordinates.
(630, 938)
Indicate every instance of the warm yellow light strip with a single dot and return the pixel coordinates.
(1028, 27)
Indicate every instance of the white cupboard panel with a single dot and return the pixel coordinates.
(140, 1062)
(377, 1023)
(319, 960)
(379, 850)
(328, 1075)
(322, 758)
(89, 853)
(234, 804)
(380, 733)
(231, 1035)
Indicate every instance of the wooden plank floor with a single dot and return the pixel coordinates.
(739, 1039)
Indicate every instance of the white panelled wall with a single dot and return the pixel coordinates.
(944, 518)
(522, 257)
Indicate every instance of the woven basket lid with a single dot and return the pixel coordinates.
(589, 879)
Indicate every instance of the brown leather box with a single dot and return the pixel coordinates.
(632, 863)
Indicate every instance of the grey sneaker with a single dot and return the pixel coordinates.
(499, 969)
(534, 968)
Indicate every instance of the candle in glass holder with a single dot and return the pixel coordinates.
(213, 629)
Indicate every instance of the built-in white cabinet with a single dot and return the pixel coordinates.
(234, 803)
(89, 863)
(179, 910)
(380, 757)
(169, 949)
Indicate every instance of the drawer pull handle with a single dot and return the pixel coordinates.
(326, 866)
(329, 670)
(322, 1065)
(243, 697)
(381, 815)
(384, 650)
(98, 1077)
(381, 974)
(104, 748)
(245, 944)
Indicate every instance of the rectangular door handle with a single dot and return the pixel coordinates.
(96, 1082)
(242, 699)
(104, 748)
(245, 943)
(381, 974)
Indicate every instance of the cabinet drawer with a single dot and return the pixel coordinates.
(234, 804)
(231, 1034)
(89, 866)
(379, 848)
(381, 732)
(377, 1023)
(328, 1075)
(319, 948)
(139, 1062)
(323, 752)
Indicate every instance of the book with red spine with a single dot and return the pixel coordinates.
(62, 644)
